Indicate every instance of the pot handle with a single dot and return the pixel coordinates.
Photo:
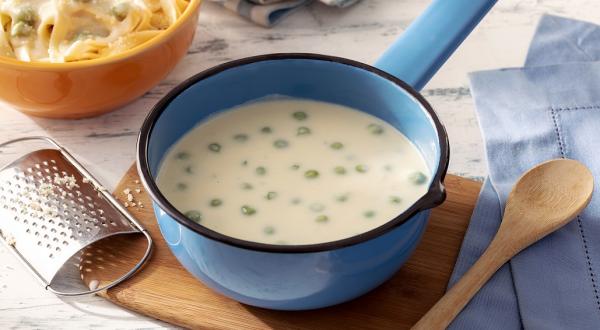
(428, 42)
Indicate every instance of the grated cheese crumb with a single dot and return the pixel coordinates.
(127, 191)
(85, 180)
(138, 190)
(137, 181)
(129, 197)
(45, 189)
(126, 204)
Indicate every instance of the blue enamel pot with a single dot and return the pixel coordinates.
(299, 277)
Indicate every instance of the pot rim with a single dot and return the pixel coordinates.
(434, 196)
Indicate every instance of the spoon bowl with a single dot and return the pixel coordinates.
(554, 191)
(543, 200)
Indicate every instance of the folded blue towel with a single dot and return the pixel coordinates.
(548, 109)
(269, 12)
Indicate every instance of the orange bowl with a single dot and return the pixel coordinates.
(92, 87)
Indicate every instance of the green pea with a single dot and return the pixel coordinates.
(241, 137)
(361, 168)
(26, 15)
(271, 195)
(193, 215)
(269, 230)
(261, 170)
(341, 170)
(181, 186)
(322, 218)
(182, 155)
(244, 163)
(300, 115)
(311, 174)
(369, 214)
(395, 200)
(248, 210)
(336, 146)
(21, 29)
(215, 202)
(120, 11)
(214, 147)
(418, 178)
(317, 207)
(280, 144)
(375, 129)
(342, 198)
(247, 186)
(266, 130)
(295, 167)
(189, 169)
(303, 130)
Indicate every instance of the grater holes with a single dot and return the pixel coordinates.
(37, 166)
(45, 163)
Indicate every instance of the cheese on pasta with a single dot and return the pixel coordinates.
(75, 30)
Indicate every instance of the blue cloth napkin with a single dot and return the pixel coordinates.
(548, 109)
(269, 12)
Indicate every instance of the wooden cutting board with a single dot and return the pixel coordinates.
(166, 291)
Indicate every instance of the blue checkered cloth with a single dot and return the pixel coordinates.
(548, 109)
(269, 12)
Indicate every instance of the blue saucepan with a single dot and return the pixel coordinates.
(289, 277)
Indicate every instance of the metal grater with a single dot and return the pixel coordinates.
(51, 209)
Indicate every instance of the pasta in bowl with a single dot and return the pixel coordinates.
(80, 58)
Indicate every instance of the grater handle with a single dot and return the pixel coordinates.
(133, 222)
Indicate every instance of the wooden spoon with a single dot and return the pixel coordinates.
(543, 200)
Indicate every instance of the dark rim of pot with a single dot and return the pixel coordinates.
(434, 196)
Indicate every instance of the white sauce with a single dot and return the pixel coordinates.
(303, 209)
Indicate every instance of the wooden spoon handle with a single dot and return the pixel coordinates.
(446, 309)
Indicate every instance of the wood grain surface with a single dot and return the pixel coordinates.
(166, 291)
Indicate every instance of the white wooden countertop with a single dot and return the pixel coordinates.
(106, 144)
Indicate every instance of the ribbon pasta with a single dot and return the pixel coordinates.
(76, 30)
